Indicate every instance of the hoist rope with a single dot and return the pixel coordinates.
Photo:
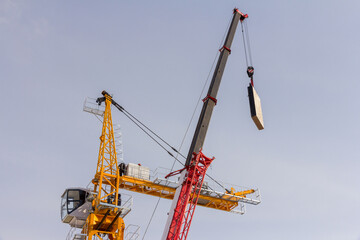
(248, 42)
(243, 36)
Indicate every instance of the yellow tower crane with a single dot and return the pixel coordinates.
(106, 217)
(98, 211)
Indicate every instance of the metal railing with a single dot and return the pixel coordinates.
(125, 207)
(132, 232)
(91, 106)
(75, 233)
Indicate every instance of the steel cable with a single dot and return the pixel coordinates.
(243, 36)
(248, 42)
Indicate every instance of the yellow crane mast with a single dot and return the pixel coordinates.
(106, 217)
(98, 212)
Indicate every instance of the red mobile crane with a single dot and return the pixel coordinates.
(192, 175)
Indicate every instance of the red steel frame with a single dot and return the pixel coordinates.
(190, 191)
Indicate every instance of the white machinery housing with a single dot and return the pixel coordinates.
(75, 206)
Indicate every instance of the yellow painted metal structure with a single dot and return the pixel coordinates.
(226, 202)
(106, 220)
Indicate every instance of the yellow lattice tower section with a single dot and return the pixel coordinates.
(106, 219)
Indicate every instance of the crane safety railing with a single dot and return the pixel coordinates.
(118, 142)
(91, 106)
(75, 232)
(124, 207)
(154, 183)
(132, 232)
(210, 188)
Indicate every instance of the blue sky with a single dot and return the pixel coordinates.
(154, 57)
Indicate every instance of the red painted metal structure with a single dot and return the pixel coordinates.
(190, 191)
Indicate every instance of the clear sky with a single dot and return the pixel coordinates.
(154, 57)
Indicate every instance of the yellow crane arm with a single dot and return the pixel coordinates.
(211, 199)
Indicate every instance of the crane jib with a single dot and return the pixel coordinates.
(208, 106)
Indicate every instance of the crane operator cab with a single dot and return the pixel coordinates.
(76, 205)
